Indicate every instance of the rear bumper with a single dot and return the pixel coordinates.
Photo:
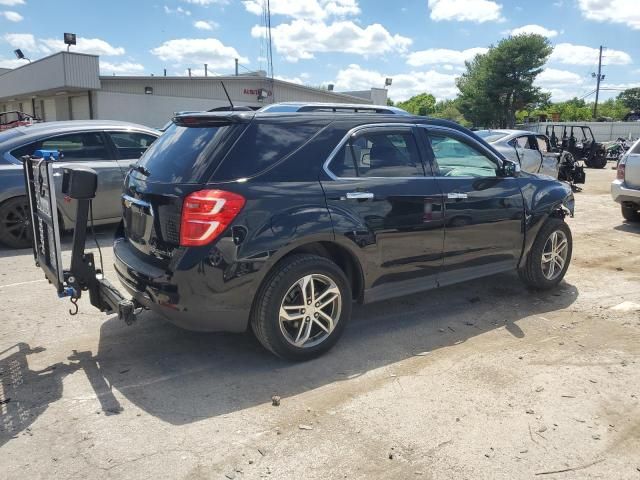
(190, 303)
(623, 194)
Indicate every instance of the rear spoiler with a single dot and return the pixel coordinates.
(212, 119)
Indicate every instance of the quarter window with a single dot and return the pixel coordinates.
(378, 154)
(458, 159)
(78, 146)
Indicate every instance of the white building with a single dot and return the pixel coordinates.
(68, 86)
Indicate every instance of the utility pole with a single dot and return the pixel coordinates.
(236, 67)
(206, 70)
(599, 77)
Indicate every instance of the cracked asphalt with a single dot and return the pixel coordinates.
(479, 380)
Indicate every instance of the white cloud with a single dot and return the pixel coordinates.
(537, 29)
(300, 39)
(434, 56)
(308, 9)
(551, 77)
(478, 11)
(300, 80)
(405, 85)
(11, 62)
(178, 11)
(25, 41)
(205, 25)
(570, 54)
(12, 16)
(11, 3)
(197, 51)
(124, 68)
(626, 12)
(94, 46)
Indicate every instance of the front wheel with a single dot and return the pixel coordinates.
(302, 307)
(549, 257)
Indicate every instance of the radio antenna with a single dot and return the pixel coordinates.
(227, 94)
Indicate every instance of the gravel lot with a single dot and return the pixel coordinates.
(479, 380)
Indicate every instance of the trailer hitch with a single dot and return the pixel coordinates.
(78, 183)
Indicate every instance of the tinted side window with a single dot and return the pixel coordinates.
(24, 150)
(262, 145)
(79, 146)
(131, 144)
(379, 154)
(456, 158)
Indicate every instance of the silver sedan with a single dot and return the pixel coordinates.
(529, 149)
(108, 147)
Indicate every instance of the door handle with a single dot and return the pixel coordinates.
(457, 195)
(359, 196)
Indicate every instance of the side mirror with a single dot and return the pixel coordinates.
(509, 169)
(79, 183)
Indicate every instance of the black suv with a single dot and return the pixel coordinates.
(281, 220)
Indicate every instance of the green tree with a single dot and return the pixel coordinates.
(630, 98)
(615, 109)
(499, 83)
(421, 104)
(448, 109)
(390, 102)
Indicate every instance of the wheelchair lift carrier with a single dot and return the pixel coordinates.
(78, 183)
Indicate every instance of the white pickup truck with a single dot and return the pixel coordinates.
(625, 189)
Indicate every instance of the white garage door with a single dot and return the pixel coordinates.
(80, 108)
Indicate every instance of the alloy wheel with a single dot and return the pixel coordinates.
(310, 310)
(554, 255)
(17, 223)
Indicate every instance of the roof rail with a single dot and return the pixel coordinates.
(332, 107)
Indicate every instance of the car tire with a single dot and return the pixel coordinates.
(630, 213)
(282, 291)
(15, 223)
(547, 263)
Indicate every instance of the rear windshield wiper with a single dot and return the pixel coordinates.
(141, 169)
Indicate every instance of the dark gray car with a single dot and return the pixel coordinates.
(109, 147)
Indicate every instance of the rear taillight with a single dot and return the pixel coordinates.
(206, 214)
(621, 168)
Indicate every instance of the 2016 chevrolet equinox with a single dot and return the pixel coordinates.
(281, 220)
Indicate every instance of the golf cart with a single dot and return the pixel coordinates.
(578, 140)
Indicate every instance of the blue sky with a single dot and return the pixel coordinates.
(354, 44)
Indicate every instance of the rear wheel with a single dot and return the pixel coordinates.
(631, 213)
(599, 160)
(15, 223)
(549, 257)
(302, 307)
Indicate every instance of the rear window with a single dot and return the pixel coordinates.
(490, 136)
(186, 154)
(265, 144)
